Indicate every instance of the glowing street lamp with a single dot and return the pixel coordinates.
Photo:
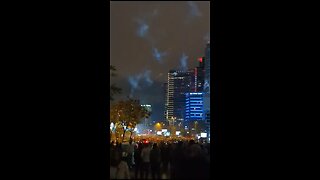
(158, 126)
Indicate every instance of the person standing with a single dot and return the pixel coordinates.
(137, 160)
(155, 160)
(115, 159)
(130, 154)
(165, 157)
(118, 166)
(123, 169)
(145, 155)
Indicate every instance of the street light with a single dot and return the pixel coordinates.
(158, 126)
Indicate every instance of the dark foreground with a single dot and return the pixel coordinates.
(180, 160)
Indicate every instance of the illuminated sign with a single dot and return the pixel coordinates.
(159, 132)
(203, 135)
(164, 130)
(178, 133)
(195, 93)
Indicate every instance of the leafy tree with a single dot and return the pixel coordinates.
(127, 114)
(113, 88)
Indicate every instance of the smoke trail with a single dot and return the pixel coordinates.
(184, 62)
(144, 23)
(147, 76)
(140, 80)
(143, 31)
(194, 10)
(158, 55)
(134, 82)
(143, 28)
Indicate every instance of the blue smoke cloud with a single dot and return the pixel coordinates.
(143, 31)
(136, 81)
(147, 77)
(184, 62)
(194, 10)
(143, 28)
(158, 55)
(144, 24)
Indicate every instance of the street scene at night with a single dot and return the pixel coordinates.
(160, 90)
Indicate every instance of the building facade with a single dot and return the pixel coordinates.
(194, 106)
(206, 89)
(147, 121)
(179, 83)
(199, 75)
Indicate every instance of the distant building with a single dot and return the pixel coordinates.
(200, 73)
(147, 121)
(165, 90)
(207, 87)
(148, 107)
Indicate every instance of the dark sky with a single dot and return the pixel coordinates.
(150, 38)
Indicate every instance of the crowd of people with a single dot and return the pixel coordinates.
(178, 160)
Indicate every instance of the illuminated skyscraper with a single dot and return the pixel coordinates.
(207, 87)
(178, 84)
(194, 106)
(199, 75)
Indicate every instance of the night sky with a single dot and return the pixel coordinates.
(150, 38)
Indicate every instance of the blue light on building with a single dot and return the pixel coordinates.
(194, 106)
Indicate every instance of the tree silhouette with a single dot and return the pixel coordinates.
(127, 114)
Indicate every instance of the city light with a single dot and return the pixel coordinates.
(111, 125)
(203, 135)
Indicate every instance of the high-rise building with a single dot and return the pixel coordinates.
(179, 83)
(199, 75)
(207, 87)
(184, 89)
(194, 106)
(165, 90)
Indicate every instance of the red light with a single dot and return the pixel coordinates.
(200, 59)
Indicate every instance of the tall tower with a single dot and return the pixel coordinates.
(179, 83)
(206, 88)
(199, 75)
(165, 90)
